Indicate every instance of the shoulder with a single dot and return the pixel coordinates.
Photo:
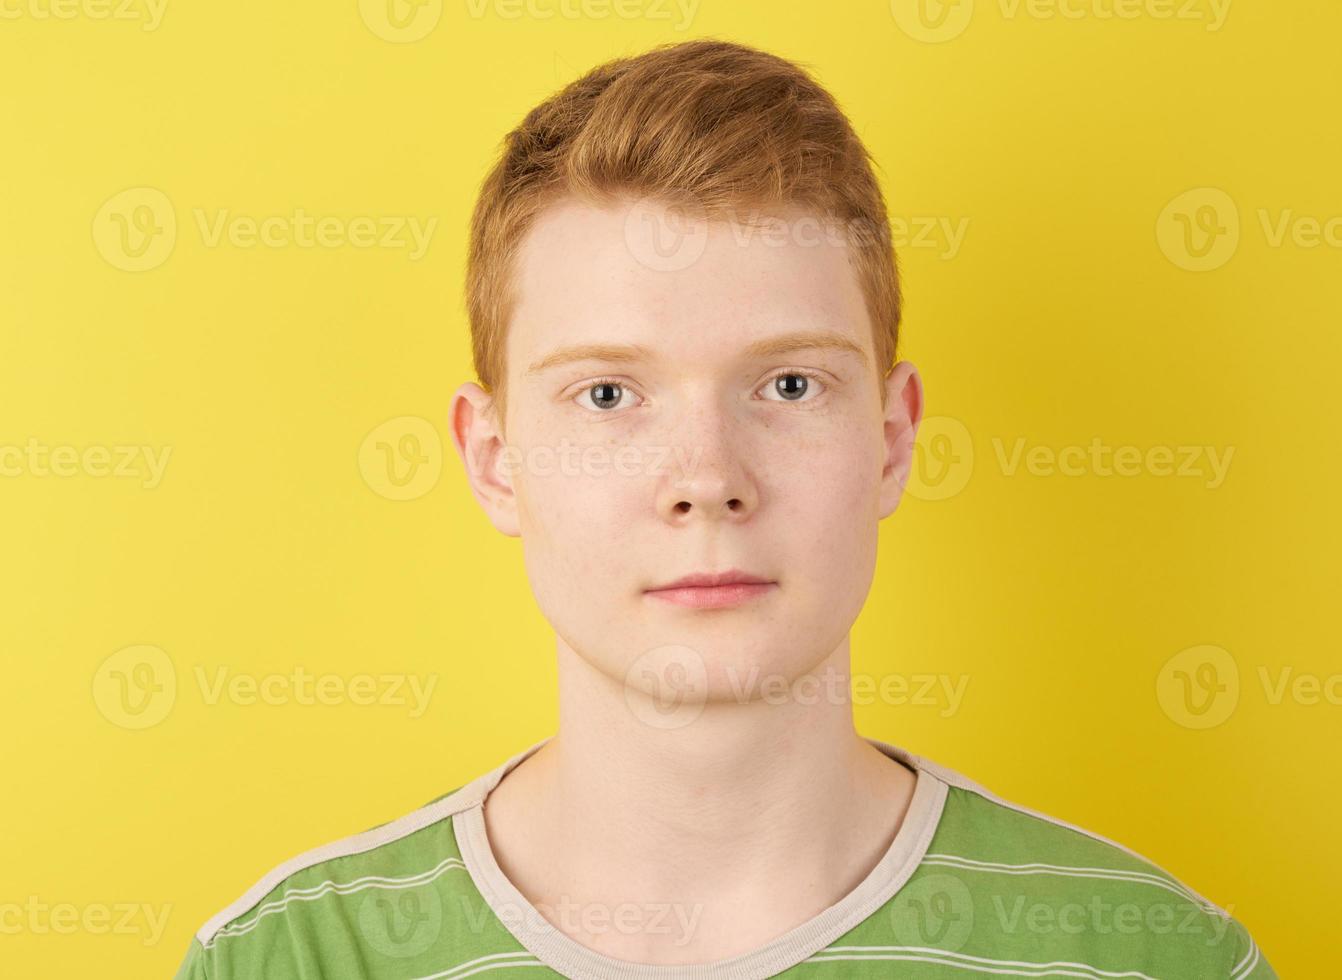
(1052, 891)
(374, 888)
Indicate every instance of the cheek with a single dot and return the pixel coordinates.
(575, 520)
(827, 496)
(831, 484)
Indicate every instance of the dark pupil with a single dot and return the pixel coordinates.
(791, 385)
(610, 393)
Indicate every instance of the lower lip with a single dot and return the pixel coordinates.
(712, 596)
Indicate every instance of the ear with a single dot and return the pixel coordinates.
(903, 412)
(485, 454)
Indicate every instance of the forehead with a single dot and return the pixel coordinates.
(638, 272)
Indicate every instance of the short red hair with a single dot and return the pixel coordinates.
(720, 124)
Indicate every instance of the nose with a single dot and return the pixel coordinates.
(708, 477)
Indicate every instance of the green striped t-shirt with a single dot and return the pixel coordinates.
(971, 884)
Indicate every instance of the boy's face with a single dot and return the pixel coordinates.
(702, 449)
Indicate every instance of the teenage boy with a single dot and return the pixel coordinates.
(684, 311)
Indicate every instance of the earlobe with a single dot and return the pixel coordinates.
(485, 455)
(903, 412)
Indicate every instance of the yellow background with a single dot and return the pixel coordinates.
(1068, 314)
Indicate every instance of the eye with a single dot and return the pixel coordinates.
(602, 395)
(792, 385)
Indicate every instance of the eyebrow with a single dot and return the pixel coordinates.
(768, 347)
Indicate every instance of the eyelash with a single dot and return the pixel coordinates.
(595, 382)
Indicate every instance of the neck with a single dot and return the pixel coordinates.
(731, 809)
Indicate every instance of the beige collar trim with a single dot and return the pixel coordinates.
(572, 959)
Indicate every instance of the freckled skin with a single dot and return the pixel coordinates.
(810, 479)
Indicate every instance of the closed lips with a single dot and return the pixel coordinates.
(701, 580)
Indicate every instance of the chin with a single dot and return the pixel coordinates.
(759, 669)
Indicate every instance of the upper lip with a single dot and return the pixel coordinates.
(732, 576)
